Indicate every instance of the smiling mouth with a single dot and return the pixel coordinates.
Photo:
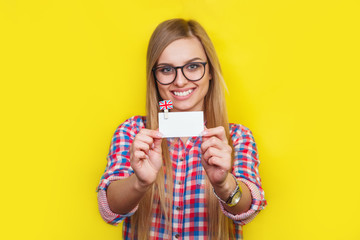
(183, 94)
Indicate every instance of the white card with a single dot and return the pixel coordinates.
(181, 124)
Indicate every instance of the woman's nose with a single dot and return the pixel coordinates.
(180, 79)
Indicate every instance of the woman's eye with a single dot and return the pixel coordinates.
(193, 66)
(165, 69)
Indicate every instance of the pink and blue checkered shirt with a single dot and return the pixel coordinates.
(189, 217)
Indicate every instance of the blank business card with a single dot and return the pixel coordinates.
(181, 124)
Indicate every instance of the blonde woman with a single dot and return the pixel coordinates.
(182, 188)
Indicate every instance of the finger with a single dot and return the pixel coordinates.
(157, 145)
(151, 133)
(217, 131)
(212, 142)
(203, 134)
(147, 136)
(144, 138)
(212, 152)
(215, 157)
(204, 163)
(141, 146)
(139, 155)
(137, 158)
(215, 161)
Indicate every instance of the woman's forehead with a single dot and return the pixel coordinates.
(181, 51)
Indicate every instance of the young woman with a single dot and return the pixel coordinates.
(192, 188)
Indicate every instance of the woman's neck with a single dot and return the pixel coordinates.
(184, 139)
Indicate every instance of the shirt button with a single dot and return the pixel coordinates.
(180, 182)
(181, 159)
(177, 235)
(178, 208)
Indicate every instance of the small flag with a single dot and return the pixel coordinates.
(166, 105)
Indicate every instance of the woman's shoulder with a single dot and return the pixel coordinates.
(233, 127)
(134, 123)
(137, 120)
(239, 131)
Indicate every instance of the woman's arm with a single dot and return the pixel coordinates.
(216, 160)
(146, 160)
(125, 194)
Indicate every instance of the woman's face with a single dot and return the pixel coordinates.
(186, 95)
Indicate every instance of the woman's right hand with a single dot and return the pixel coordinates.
(146, 156)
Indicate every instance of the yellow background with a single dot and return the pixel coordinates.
(71, 71)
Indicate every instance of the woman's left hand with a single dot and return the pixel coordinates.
(216, 155)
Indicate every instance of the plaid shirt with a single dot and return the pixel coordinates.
(189, 215)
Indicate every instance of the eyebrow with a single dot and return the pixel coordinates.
(188, 61)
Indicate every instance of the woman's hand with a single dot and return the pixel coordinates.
(146, 156)
(216, 155)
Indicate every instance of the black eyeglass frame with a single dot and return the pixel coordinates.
(176, 70)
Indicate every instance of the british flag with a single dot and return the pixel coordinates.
(166, 105)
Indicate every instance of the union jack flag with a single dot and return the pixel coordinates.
(166, 105)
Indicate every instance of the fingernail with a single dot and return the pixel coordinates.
(159, 134)
(152, 145)
(203, 133)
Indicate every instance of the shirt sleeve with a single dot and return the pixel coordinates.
(118, 166)
(246, 169)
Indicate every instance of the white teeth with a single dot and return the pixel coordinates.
(182, 94)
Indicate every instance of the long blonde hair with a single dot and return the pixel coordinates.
(220, 227)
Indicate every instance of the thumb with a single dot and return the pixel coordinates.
(157, 144)
(203, 134)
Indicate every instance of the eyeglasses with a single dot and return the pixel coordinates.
(166, 74)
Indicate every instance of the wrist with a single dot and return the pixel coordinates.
(229, 196)
(139, 185)
(225, 188)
